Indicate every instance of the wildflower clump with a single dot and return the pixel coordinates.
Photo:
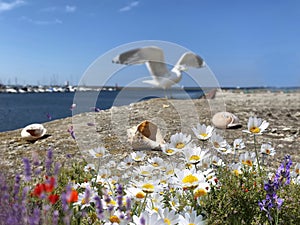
(200, 179)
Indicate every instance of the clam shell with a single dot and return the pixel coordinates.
(33, 132)
(225, 120)
(145, 136)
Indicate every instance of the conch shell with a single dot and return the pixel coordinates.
(145, 136)
(225, 120)
(33, 132)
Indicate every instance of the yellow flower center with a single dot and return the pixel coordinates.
(155, 164)
(180, 145)
(297, 171)
(254, 130)
(137, 158)
(191, 224)
(145, 173)
(167, 221)
(83, 201)
(235, 172)
(189, 179)
(194, 158)
(204, 134)
(148, 188)
(140, 195)
(112, 202)
(170, 151)
(216, 144)
(170, 172)
(155, 208)
(248, 162)
(114, 219)
(268, 151)
(200, 192)
(98, 155)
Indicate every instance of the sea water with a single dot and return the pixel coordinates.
(19, 110)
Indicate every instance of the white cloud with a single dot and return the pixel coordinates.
(129, 7)
(41, 22)
(6, 6)
(70, 8)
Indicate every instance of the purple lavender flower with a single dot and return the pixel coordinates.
(16, 187)
(35, 218)
(49, 161)
(99, 207)
(282, 178)
(143, 221)
(27, 169)
(55, 217)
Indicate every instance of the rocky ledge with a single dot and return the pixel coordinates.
(109, 127)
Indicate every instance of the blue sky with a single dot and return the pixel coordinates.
(245, 43)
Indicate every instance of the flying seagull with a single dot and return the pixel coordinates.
(153, 57)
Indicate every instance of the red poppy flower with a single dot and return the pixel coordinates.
(50, 184)
(38, 190)
(73, 197)
(53, 198)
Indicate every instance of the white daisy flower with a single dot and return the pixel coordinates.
(145, 171)
(236, 169)
(89, 167)
(138, 156)
(218, 142)
(191, 219)
(180, 141)
(169, 216)
(156, 202)
(85, 199)
(216, 161)
(256, 125)
(248, 159)
(267, 149)
(225, 150)
(296, 170)
(238, 144)
(136, 193)
(97, 152)
(189, 179)
(203, 132)
(147, 218)
(194, 155)
(202, 190)
(148, 185)
(126, 163)
(167, 150)
(156, 162)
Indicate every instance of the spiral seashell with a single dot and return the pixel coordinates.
(33, 132)
(225, 120)
(145, 136)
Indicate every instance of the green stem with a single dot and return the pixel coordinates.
(258, 163)
(142, 205)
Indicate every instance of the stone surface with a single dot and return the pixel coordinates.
(109, 127)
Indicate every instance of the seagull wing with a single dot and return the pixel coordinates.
(190, 59)
(152, 56)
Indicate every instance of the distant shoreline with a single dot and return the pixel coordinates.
(68, 88)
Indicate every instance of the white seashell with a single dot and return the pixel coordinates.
(145, 136)
(33, 132)
(225, 120)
